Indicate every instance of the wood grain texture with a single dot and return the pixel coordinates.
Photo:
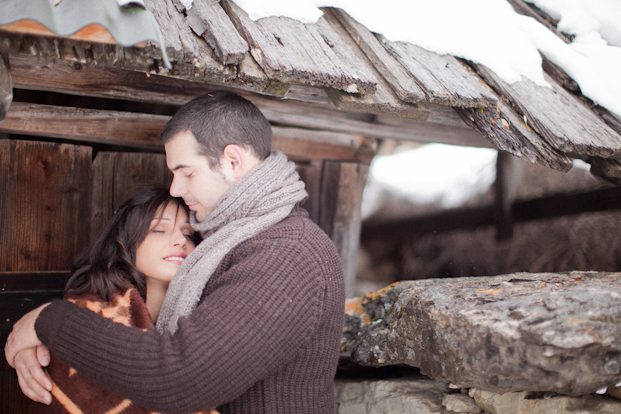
(191, 56)
(557, 205)
(291, 51)
(47, 49)
(5, 192)
(511, 134)
(384, 100)
(250, 76)
(347, 218)
(399, 79)
(509, 178)
(115, 177)
(6, 86)
(208, 20)
(445, 80)
(306, 145)
(310, 173)
(112, 127)
(130, 85)
(558, 117)
(48, 203)
(65, 76)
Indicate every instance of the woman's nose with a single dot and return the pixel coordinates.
(178, 239)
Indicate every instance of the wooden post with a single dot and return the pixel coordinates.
(310, 173)
(508, 181)
(341, 197)
(6, 86)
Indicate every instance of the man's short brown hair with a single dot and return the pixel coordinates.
(218, 119)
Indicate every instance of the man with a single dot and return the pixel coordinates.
(251, 322)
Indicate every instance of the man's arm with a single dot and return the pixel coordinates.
(248, 327)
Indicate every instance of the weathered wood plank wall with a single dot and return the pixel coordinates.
(46, 192)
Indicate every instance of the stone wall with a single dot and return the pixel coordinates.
(534, 342)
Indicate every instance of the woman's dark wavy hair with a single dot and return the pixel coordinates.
(109, 264)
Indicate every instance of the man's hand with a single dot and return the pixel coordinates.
(23, 335)
(32, 380)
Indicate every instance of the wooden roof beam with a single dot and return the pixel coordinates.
(443, 126)
(473, 217)
(143, 130)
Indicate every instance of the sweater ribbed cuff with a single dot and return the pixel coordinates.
(50, 320)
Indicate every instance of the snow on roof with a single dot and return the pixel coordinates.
(491, 33)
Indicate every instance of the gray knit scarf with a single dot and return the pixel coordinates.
(260, 199)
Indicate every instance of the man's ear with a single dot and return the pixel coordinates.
(234, 161)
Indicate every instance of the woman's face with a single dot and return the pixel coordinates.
(167, 244)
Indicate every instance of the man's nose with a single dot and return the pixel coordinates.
(176, 189)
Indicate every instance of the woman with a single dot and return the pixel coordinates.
(123, 276)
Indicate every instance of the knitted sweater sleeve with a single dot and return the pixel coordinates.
(257, 315)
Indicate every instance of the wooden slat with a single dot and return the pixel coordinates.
(13, 305)
(310, 173)
(470, 218)
(142, 131)
(444, 79)
(208, 19)
(418, 75)
(306, 93)
(563, 121)
(49, 191)
(33, 281)
(63, 77)
(48, 49)
(302, 114)
(115, 176)
(400, 80)
(511, 134)
(444, 126)
(290, 51)
(6, 86)
(384, 100)
(112, 127)
(509, 174)
(522, 7)
(346, 219)
(190, 56)
(305, 145)
(5, 192)
(250, 76)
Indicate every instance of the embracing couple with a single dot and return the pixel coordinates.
(251, 321)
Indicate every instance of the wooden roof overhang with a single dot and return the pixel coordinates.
(332, 82)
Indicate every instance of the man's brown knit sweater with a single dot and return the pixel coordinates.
(264, 338)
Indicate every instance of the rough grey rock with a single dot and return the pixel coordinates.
(519, 332)
(521, 403)
(421, 396)
(460, 403)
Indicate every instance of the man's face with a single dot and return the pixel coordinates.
(201, 187)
